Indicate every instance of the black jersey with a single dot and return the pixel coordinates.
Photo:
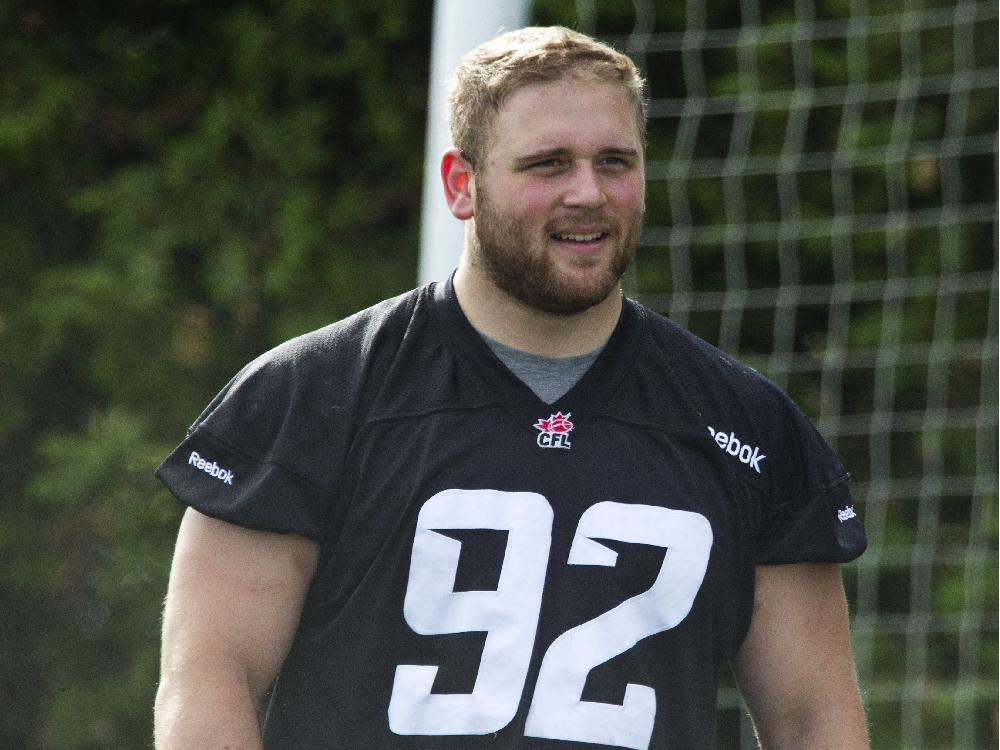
(497, 572)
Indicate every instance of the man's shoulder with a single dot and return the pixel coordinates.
(336, 360)
(696, 360)
(349, 342)
(358, 331)
(745, 412)
(725, 395)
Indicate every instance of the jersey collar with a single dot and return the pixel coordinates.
(583, 400)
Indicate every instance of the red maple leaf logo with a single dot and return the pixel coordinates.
(558, 422)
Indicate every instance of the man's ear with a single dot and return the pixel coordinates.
(456, 174)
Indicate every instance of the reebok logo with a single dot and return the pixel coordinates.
(211, 468)
(846, 514)
(747, 454)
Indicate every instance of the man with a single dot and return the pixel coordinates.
(513, 509)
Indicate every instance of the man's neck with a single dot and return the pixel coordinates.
(496, 314)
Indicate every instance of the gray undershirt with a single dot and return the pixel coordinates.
(549, 377)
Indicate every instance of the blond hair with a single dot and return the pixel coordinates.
(494, 70)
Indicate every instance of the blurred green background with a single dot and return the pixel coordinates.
(185, 185)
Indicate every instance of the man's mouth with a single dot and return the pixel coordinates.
(578, 237)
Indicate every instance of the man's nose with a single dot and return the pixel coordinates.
(585, 187)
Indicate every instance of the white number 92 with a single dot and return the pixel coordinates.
(509, 617)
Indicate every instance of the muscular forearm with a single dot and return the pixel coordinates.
(825, 728)
(232, 607)
(795, 668)
(206, 711)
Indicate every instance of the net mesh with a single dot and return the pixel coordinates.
(822, 203)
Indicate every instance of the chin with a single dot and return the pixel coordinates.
(572, 300)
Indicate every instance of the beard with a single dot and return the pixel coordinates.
(520, 265)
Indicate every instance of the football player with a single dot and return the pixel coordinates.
(512, 509)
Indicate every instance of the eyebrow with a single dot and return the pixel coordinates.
(528, 159)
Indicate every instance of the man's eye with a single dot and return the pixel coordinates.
(618, 162)
(548, 164)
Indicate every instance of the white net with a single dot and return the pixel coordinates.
(823, 204)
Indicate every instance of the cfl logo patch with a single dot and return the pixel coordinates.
(747, 454)
(554, 431)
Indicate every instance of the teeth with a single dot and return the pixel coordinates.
(579, 237)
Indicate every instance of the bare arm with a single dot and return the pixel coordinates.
(795, 668)
(233, 604)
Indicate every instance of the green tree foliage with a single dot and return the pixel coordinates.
(184, 185)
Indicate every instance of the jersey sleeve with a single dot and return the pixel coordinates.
(263, 454)
(799, 501)
(811, 516)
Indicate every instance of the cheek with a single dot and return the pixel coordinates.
(632, 195)
(529, 202)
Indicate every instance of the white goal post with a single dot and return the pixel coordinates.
(459, 26)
